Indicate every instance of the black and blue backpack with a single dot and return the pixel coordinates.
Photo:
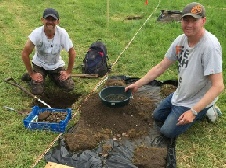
(96, 59)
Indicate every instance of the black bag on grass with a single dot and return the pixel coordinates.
(95, 61)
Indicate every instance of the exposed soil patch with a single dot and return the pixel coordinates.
(118, 120)
(169, 16)
(98, 123)
(57, 99)
(147, 157)
(115, 82)
(167, 90)
(133, 17)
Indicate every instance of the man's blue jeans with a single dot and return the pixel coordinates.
(169, 114)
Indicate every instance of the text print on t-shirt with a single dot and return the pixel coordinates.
(182, 55)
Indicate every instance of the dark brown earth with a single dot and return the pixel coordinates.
(103, 122)
(146, 157)
(54, 117)
(98, 122)
(57, 99)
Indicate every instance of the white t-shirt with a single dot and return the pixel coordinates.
(194, 66)
(47, 51)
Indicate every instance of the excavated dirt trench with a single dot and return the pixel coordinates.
(98, 123)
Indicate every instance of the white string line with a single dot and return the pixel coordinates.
(98, 85)
(106, 76)
(49, 147)
(136, 34)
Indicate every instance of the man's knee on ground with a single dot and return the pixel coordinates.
(68, 84)
(168, 133)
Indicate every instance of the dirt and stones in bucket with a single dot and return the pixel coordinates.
(54, 117)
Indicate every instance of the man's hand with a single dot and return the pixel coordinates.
(132, 87)
(37, 77)
(64, 75)
(186, 117)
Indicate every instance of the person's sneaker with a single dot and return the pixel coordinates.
(212, 114)
(26, 77)
(218, 111)
(37, 88)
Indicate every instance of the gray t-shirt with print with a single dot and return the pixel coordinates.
(194, 66)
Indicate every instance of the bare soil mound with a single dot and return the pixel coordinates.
(99, 123)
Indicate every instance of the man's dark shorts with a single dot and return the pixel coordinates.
(38, 88)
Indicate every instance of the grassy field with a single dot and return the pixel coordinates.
(138, 46)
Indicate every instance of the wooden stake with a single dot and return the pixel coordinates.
(85, 75)
(108, 5)
(55, 165)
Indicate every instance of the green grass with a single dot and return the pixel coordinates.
(86, 21)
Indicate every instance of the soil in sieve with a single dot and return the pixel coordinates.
(115, 97)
